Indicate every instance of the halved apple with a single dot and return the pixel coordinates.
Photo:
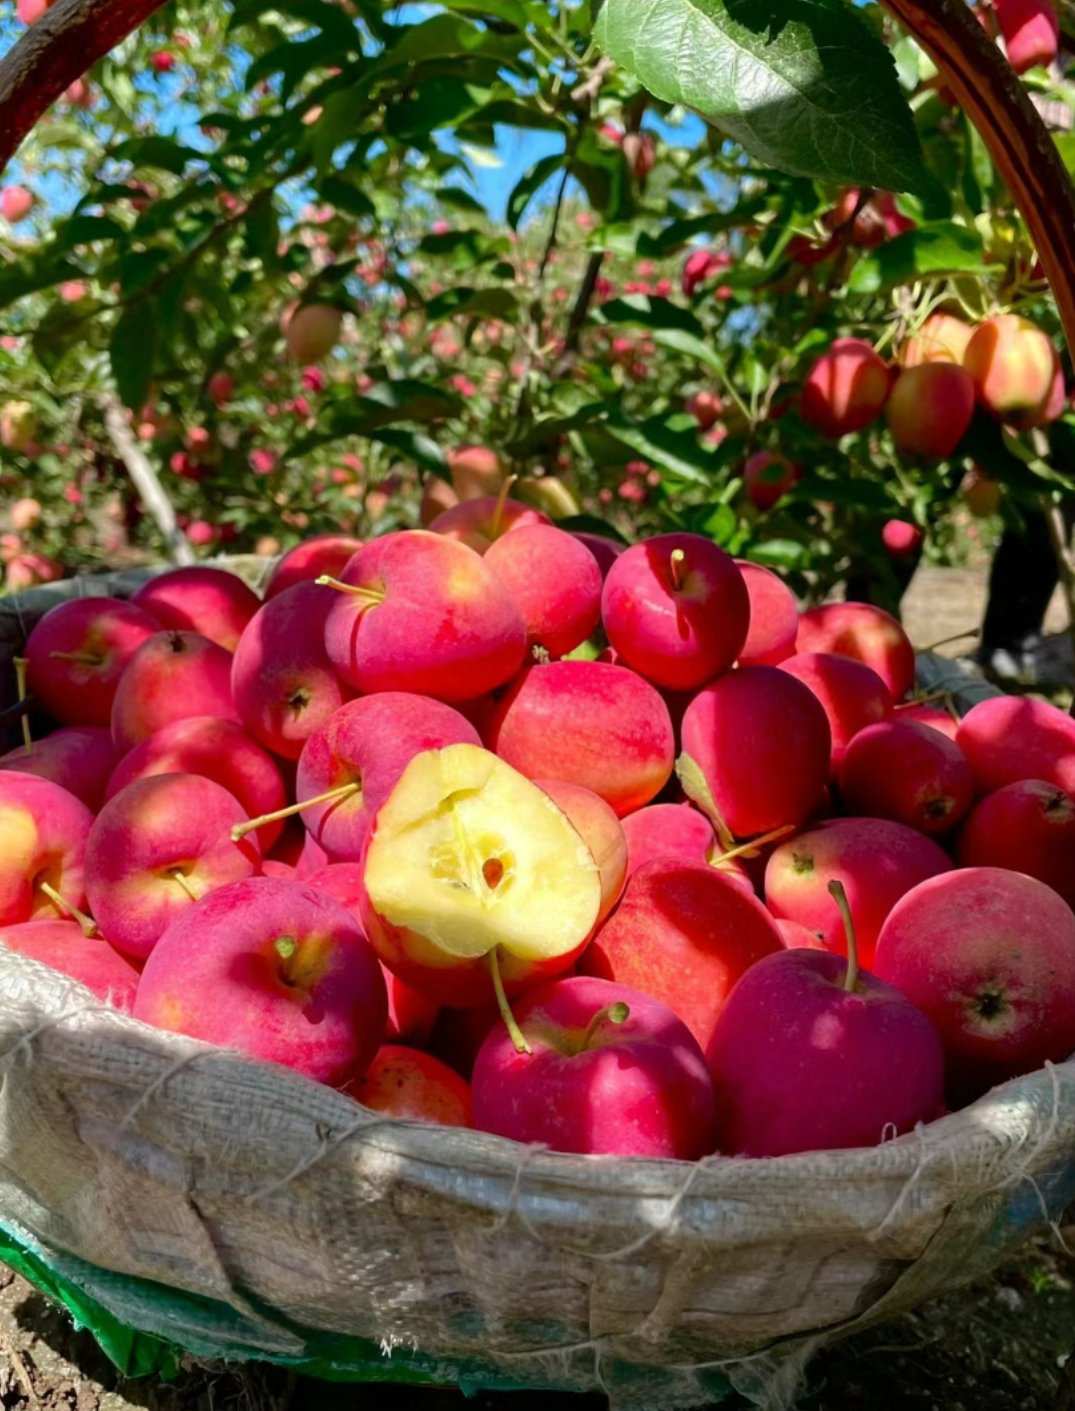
(470, 864)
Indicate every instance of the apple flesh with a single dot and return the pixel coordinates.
(774, 617)
(877, 862)
(156, 848)
(77, 653)
(414, 1086)
(43, 835)
(1009, 738)
(1026, 827)
(80, 758)
(275, 969)
(467, 859)
(420, 612)
(63, 946)
(321, 553)
(989, 956)
(637, 1087)
(865, 633)
(683, 933)
(800, 1063)
(590, 723)
(851, 694)
(903, 770)
(216, 604)
(761, 741)
(172, 676)
(555, 582)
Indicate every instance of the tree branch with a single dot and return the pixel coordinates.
(60, 47)
(986, 86)
(146, 481)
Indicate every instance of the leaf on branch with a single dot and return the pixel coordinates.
(529, 184)
(927, 251)
(805, 86)
(132, 352)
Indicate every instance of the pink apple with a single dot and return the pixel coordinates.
(774, 617)
(903, 770)
(80, 758)
(601, 831)
(1009, 738)
(275, 969)
(322, 553)
(846, 388)
(934, 716)
(77, 653)
(865, 633)
(205, 600)
(16, 202)
(413, 1086)
(43, 833)
(676, 610)
(63, 946)
(605, 551)
(479, 523)
(555, 582)
(852, 695)
(172, 676)
(157, 848)
(1026, 827)
(767, 478)
(610, 1072)
(673, 831)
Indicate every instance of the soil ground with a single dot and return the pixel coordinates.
(1005, 1344)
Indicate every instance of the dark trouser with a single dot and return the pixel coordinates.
(1021, 582)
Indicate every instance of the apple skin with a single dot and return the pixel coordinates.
(903, 770)
(476, 471)
(865, 633)
(312, 331)
(43, 835)
(75, 692)
(446, 626)
(677, 627)
(206, 600)
(1031, 30)
(797, 937)
(774, 617)
(846, 388)
(943, 338)
(588, 723)
(1028, 827)
(936, 717)
(767, 478)
(640, 1089)
(459, 1034)
(220, 750)
(216, 975)
(799, 1064)
(930, 409)
(477, 523)
(989, 956)
(1009, 738)
(877, 861)
(1013, 364)
(321, 553)
(555, 582)
(89, 960)
(437, 496)
(605, 551)
(601, 831)
(901, 539)
(411, 1015)
(282, 681)
(80, 758)
(761, 740)
(369, 741)
(683, 933)
(152, 829)
(852, 695)
(667, 831)
(173, 675)
(414, 1086)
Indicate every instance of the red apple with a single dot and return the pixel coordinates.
(864, 633)
(901, 538)
(605, 551)
(91, 961)
(601, 831)
(172, 676)
(935, 717)
(1031, 31)
(555, 582)
(903, 770)
(667, 831)
(479, 523)
(852, 695)
(476, 471)
(77, 653)
(43, 833)
(767, 478)
(322, 553)
(1027, 827)
(774, 617)
(943, 338)
(80, 758)
(205, 600)
(1009, 738)
(414, 1086)
(1013, 364)
(846, 388)
(930, 409)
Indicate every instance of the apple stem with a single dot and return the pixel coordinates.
(930, 698)
(21, 664)
(676, 560)
(501, 501)
(66, 908)
(344, 791)
(839, 896)
(518, 1038)
(750, 846)
(183, 881)
(87, 658)
(372, 596)
(614, 1013)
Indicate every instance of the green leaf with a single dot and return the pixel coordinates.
(344, 196)
(472, 303)
(929, 250)
(651, 312)
(677, 452)
(84, 230)
(805, 86)
(132, 351)
(415, 447)
(160, 153)
(529, 184)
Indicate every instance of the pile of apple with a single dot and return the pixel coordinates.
(611, 850)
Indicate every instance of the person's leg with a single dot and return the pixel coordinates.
(1022, 579)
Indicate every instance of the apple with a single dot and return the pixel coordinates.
(275, 969)
(774, 617)
(479, 523)
(767, 478)
(877, 861)
(1013, 364)
(419, 612)
(414, 1086)
(80, 758)
(43, 833)
(683, 933)
(16, 202)
(590, 723)
(63, 946)
(674, 832)
(206, 600)
(173, 675)
(810, 1053)
(943, 338)
(901, 539)
(307, 560)
(846, 388)
(851, 694)
(156, 848)
(605, 551)
(675, 609)
(77, 653)
(761, 742)
(864, 633)
(610, 1072)
(903, 770)
(989, 956)
(283, 684)
(930, 409)
(474, 877)
(1031, 30)
(312, 331)
(936, 717)
(554, 581)
(1027, 827)
(601, 831)
(476, 471)
(796, 937)
(1009, 738)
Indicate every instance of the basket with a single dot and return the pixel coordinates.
(178, 1196)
